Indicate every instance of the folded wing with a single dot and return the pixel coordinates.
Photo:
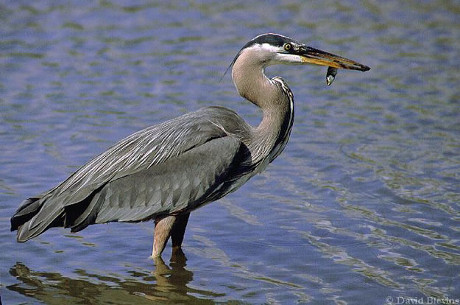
(174, 166)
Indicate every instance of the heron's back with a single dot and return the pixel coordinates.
(166, 168)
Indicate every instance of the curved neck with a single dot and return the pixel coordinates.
(273, 97)
(250, 80)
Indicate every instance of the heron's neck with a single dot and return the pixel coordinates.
(271, 135)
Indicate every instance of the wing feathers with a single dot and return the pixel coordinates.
(184, 182)
(164, 168)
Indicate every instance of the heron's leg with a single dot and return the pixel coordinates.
(178, 231)
(161, 235)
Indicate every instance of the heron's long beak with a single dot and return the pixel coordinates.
(322, 58)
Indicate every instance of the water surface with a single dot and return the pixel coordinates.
(362, 206)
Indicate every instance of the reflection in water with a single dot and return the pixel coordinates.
(164, 285)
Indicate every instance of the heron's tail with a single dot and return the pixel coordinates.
(31, 220)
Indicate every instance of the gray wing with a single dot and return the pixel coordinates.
(150, 172)
(179, 184)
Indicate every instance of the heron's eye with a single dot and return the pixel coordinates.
(287, 47)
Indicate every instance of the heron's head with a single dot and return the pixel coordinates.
(271, 49)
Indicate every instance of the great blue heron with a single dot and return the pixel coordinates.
(167, 170)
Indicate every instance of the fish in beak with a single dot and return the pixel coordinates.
(314, 56)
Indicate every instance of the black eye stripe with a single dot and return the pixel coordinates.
(271, 39)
